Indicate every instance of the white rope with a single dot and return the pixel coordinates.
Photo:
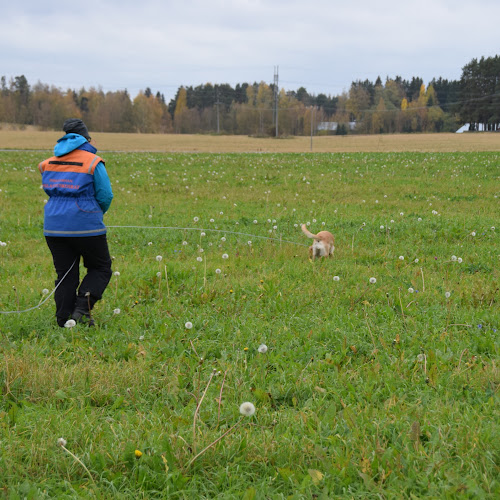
(45, 300)
(213, 230)
(154, 227)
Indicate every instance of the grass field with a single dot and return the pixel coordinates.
(366, 390)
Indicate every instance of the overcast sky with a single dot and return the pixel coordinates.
(322, 45)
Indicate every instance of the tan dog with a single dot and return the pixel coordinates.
(323, 243)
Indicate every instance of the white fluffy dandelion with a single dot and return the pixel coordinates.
(225, 256)
(459, 260)
(454, 258)
(218, 271)
(45, 291)
(117, 311)
(116, 273)
(247, 409)
(70, 323)
(159, 258)
(373, 280)
(401, 257)
(447, 295)
(336, 278)
(188, 325)
(199, 259)
(61, 442)
(410, 290)
(196, 219)
(184, 243)
(262, 348)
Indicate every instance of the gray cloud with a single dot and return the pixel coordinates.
(321, 45)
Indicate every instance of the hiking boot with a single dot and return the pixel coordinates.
(82, 317)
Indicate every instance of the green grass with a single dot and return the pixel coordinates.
(366, 390)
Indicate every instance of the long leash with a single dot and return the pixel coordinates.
(154, 227)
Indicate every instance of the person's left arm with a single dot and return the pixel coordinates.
(102, 187)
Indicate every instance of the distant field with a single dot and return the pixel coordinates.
(468, 142)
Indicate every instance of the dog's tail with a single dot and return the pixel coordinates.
(307, 232)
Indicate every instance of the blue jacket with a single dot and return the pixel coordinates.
(79, 189)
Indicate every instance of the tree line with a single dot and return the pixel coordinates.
(390, 106)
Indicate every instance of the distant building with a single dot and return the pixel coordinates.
(479, 127)
(332, 126)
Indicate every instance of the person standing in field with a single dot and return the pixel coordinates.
(80, 193)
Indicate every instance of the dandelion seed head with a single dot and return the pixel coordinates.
(61, 442)
(202, 234)
(447, 295)
(401, 257)
(199, 259)
(225, 256)
(373, 280)
(459, 260)
(116, 273)
(150, 243)
(159, 258)
(218, 271)
(262, 348)
(116, 311)
(247, 409)
(188, 325)
(381, 227)
(454, 258)
(184, 243)
(421, 358)
(223, 238)
(411, 290)
(45, 291)
(336, 278)
(70, 323)
(196, 219)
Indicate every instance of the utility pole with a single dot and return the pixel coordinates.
(276, 97)
(312, 121)
(217, 104)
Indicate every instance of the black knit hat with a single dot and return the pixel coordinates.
(76, 126)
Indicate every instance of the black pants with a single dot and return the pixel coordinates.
(66, 251)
